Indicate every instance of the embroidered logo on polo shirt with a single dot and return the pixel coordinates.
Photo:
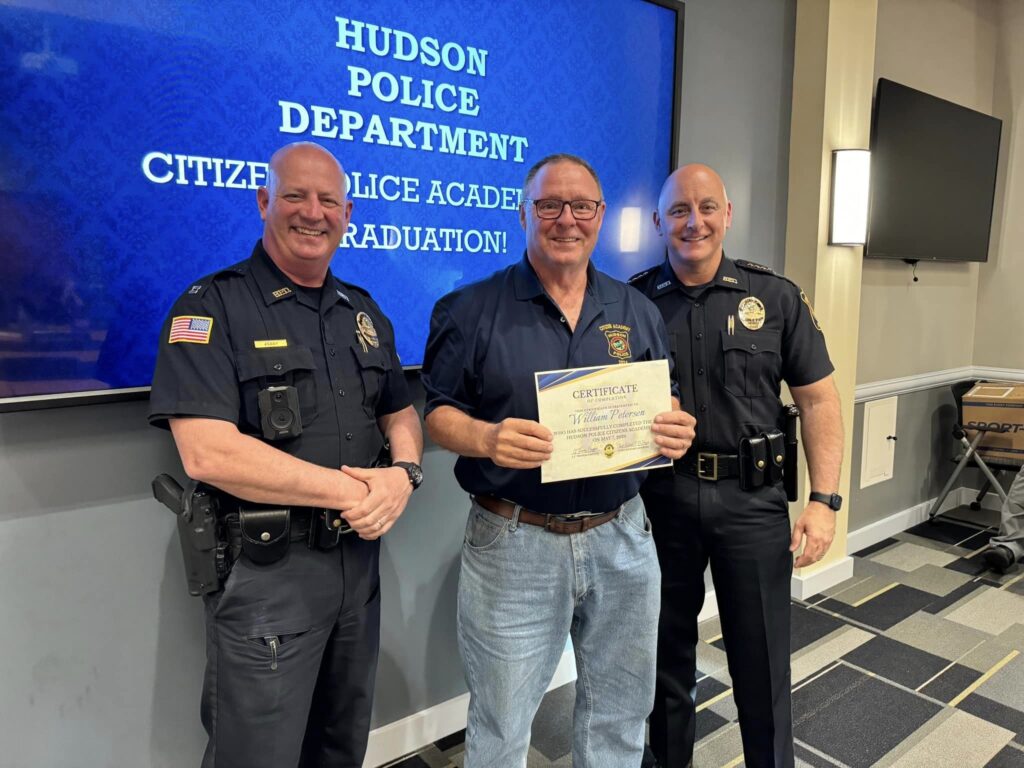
(618, 340)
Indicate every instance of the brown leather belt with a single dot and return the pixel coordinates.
(555, 523)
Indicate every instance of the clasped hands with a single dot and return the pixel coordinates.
(385, 492)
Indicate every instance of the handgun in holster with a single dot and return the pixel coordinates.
(791, 418)
(204, 553)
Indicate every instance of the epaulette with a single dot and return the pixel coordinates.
(351, 287)
(753, 266)
(641, 275)
(200, 286)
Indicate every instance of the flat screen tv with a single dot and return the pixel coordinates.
(134, 135)
(933, 177)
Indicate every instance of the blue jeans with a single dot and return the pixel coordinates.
(521, 591)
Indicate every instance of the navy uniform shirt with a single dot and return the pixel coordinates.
(734, 341)
(487, 340)
(248, 327)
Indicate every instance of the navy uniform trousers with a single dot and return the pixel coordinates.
(291, 652)
(745, 537)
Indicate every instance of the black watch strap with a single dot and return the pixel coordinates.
(413, 470)
(831, 500)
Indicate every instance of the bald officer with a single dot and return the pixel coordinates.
(736, 330)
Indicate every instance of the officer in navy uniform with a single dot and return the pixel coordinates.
(280, 384)
(736, 330)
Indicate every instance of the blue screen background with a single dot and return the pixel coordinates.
(94, 252)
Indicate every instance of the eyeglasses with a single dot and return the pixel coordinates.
(551, 208)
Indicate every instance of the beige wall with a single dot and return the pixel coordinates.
(999, 332)
(947, 48)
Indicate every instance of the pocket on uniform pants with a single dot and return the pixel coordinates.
(275, 647)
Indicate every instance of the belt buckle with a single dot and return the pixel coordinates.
(576, 516)
(701, 473)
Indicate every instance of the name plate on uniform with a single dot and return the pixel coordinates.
(601, 418)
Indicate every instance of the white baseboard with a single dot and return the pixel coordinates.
(402, 737)
(710, 608)
(880, 530)
(803, 586)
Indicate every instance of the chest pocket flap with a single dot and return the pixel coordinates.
(275, 367)
(753, 362)
(274, 362)
(373, 364)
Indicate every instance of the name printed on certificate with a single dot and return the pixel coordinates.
(601, 418)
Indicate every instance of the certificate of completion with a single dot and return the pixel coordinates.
(601, 418)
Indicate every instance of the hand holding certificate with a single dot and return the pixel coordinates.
(601, 418)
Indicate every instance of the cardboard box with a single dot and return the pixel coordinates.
(995, 404)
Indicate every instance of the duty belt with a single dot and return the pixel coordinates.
(710, 466)
(564, 524)
(304, 518)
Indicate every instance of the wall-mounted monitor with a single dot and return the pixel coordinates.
(134, 135)
(933, 177)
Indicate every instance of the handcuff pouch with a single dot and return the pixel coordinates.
(264, 533)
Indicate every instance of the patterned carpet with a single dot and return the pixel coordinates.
(918, 660)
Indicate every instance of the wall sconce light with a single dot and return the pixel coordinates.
(629, 229)
(848, 223)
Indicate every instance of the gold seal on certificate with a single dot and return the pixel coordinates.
(601, 418)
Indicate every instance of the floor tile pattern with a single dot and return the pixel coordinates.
(917, 660)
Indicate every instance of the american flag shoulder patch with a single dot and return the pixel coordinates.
(190, 329)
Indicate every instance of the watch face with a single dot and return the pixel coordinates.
(413, 470)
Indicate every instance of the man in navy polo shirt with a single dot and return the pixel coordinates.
(540, 562)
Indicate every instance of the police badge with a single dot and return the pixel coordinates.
(367, 333)
(751, 313)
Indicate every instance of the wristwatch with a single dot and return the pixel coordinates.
(413, 470)
(831, 500)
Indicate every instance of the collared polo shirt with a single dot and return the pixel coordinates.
(730, 370)
(240, 330)
(487, 340)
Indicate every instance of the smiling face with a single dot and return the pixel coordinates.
(693, 215)
(565, 242)
(304, 211)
